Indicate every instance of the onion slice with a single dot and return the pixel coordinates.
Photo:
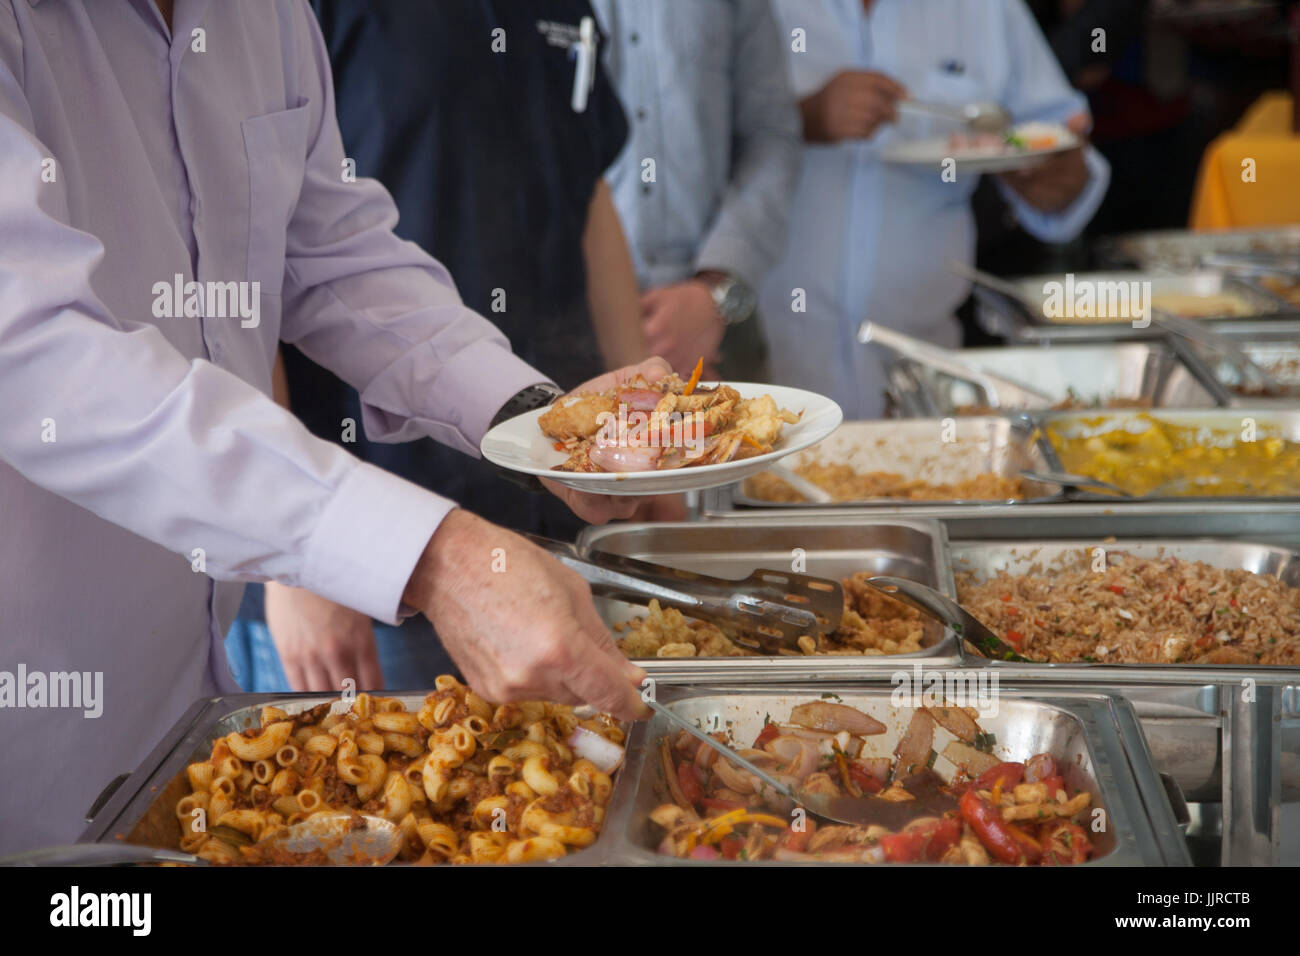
(823, 715)
(603, 752)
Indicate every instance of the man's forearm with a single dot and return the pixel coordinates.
(611, 283)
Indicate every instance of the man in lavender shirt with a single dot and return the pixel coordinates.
(175, 201)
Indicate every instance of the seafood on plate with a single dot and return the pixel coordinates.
(671, 423)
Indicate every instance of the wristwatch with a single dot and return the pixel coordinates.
(525, 400)
(734, 300)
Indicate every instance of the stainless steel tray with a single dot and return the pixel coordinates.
(1148, 372)
(1276, 521)
(983, 559)
(1276, 353)
(935, 450)
(1028, 325)
(828, 547)
(1093, 735)
(1269, 422)
(1180, 249)
(142, 809)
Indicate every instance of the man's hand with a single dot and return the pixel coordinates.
(682, 323)
(853, 105)
(320, 642)
(1056, 181)
(518, 623)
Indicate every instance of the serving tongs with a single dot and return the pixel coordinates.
(768, 611)
(340, 839)
(945, 610)
(1201, 334)
(852, 811)
(1001, 392)
(1254, 263)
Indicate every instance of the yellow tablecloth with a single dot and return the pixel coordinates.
(1223, 200)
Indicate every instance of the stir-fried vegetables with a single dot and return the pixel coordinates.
(991, 811)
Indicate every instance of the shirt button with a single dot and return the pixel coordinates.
(640, 114)
(645, 188)
(634, 38)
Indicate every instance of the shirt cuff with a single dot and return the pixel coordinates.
(368, 540)
(730, 254)
(1069, 222)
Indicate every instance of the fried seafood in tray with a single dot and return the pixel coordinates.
(989, 811)
(669, 424)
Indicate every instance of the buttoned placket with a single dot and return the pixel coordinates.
(185, 16)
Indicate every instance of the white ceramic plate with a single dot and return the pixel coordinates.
(519, 445)
(933, 152)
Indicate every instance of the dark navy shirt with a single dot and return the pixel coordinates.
(493, 172)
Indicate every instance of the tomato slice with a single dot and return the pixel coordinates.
(797, 840)
(903, 847)
(943, 836)
(1055, 785)
(866, 782)
(689, 783)
(769, 732)
(1065, 843)
(731, 847)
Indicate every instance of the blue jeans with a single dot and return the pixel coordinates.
(410, 655)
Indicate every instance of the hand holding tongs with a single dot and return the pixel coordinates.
(767, 611)
(1000, 392)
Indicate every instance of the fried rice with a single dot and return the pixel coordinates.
(844, 483)
(1140, 610)
(873, 624)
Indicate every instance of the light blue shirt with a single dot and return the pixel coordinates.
(869, 239)
(708, 102)
(144, 471)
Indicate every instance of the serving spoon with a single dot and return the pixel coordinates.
(945, 610)
(851, 811)
(334, 834)
(981, 116)
(815, 494)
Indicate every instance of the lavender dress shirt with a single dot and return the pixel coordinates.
(144, 471)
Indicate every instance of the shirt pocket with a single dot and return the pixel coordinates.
(275, 145)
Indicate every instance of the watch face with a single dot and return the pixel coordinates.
(738, 302)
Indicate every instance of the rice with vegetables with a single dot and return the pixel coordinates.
(1140, 610)
(844, 483)
(873, 624)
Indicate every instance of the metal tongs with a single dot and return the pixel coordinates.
(768, 611)
(851, 811)
(1202, 335)
(1000, 392)
(979, 117)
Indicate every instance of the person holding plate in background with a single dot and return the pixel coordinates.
(870, 239)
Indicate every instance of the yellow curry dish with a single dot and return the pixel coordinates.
(1146, 455)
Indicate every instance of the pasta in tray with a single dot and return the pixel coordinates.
(464, 780)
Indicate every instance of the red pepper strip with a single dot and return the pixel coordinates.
(1015, 637)
(1004, 842)
(768, 732)
(695, 377)
(1009, 773)
(1117, 588)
